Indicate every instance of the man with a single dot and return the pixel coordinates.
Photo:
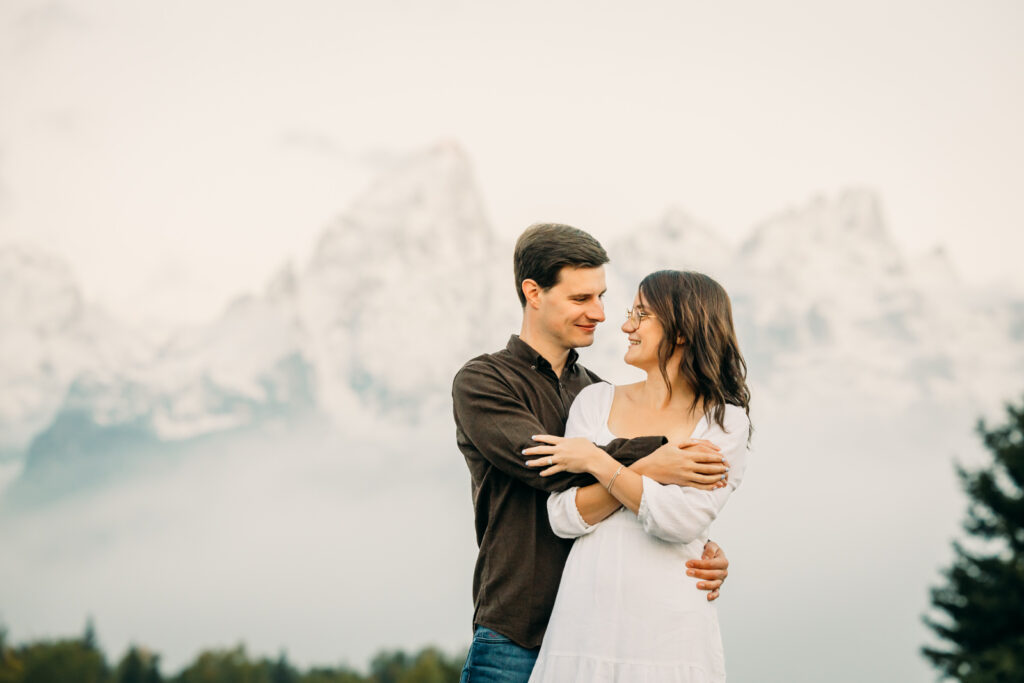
(500, 401)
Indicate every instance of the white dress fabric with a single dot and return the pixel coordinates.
(626, 611)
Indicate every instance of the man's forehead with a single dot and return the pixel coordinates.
(581, 279)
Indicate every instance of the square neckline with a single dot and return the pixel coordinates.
(613, 435)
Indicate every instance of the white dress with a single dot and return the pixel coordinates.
(626, 611)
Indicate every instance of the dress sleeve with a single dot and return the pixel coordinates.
(681, 514)
(585, 421)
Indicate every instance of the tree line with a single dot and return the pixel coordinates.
(80, 660)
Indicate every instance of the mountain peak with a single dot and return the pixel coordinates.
(677, 224)
(427, 205)
(847, 232)
(859, 210)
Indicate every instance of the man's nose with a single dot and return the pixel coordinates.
(596, 312)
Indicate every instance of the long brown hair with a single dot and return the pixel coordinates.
(694, 308)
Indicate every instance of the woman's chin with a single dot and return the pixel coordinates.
(638, 360)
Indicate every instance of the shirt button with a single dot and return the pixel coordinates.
(533, 367)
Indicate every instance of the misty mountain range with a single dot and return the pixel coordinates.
(412, 280)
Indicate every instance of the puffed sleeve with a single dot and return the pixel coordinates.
(681, 514)
(585, 421)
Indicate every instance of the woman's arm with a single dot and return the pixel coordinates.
(566, 519)
(682, 514)
(673, 513)
(695, 463)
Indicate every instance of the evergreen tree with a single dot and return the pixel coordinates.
(282, 671)
(131, 669)
(387, 667)
(89, 636)
(983, 598)
(138, 666)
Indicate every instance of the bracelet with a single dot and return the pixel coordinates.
(614, 476)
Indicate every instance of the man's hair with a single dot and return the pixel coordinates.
(545, 248)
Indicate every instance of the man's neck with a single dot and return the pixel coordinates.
(552, 351)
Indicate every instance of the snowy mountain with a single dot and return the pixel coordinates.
(828, 306)
(676, 241)
(400, 290)
(396, 295)
(48, 337)
(411, 281)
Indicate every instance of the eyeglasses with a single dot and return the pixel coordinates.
(636, 316)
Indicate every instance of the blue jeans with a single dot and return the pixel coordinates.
(493, 658)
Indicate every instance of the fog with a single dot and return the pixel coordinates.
(300, 539)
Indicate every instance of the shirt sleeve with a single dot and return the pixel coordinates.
(563, 515)
(681, 514)
(500, 427)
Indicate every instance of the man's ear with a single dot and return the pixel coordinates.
(532, 291)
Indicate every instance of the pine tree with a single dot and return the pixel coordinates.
(132, 669)
(983, 598)
(89, 635)
(282, 671)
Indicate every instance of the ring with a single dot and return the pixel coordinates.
(551, 461)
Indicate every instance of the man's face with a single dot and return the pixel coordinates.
(570, 311)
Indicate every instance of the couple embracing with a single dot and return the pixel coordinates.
(592, 501)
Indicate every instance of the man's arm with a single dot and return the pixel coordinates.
(694, 463)
(500, 427)
(711, 569)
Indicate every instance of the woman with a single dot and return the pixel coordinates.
(626, 609)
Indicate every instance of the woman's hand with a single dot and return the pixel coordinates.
(564, 455)
(696, 463)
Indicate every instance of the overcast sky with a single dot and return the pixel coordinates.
(178, 153)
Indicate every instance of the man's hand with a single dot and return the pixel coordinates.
(711, 569)
(696, 463)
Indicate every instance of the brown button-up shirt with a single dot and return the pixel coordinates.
(501, 400)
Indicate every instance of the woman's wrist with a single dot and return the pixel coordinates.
(602, 466)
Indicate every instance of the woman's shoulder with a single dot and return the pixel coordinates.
(736, 418)
(597, 392)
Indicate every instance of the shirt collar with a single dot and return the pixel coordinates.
(526, 353)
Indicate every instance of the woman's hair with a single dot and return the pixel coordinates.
(694, 308)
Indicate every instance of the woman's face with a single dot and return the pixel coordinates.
(644, 338)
